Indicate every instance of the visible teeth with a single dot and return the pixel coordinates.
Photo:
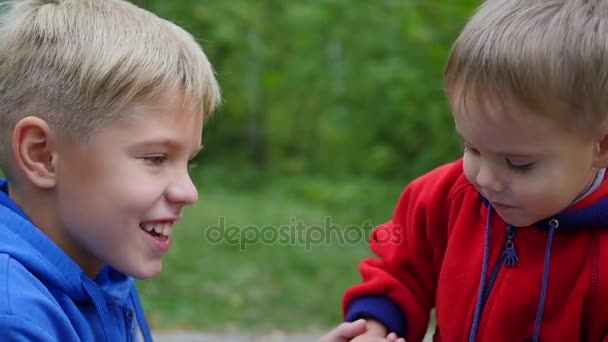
(163, 229)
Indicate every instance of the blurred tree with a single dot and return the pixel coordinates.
(336, 87)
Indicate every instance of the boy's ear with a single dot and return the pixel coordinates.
(34, 151)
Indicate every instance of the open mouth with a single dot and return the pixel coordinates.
(159, 231)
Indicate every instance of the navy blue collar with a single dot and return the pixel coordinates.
(593, 216)
(6, 201)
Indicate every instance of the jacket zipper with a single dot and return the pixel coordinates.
(129, 324)
(508, 257)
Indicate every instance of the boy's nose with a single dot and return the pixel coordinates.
(183, 191)
(487, 179)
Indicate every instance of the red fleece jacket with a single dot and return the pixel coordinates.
(431, 253)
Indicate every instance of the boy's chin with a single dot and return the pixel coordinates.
(143, 272)
(514, 219)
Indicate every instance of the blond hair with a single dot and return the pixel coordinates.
(548, 55)
(79, 64)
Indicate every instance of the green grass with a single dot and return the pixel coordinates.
(267, 284)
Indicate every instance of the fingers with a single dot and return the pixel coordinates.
(392, 337)
(345, 331)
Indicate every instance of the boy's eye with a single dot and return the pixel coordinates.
(519, 166)
(468, 148)
(155, 160)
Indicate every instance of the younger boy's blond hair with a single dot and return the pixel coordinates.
(80, 64)
(550, 56)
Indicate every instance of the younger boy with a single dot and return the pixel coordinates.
(510, 243)
(101, 108)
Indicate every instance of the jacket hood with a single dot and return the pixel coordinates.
(49, 263)
(45, 260)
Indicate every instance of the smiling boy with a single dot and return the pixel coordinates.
(102, 106)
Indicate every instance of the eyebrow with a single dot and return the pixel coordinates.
(166, 142)
(506, 154)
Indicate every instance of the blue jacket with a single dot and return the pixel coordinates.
(45, 295)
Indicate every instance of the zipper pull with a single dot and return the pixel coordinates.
(509, 253)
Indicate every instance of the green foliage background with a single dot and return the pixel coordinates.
(335, 87)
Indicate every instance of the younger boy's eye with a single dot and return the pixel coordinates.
(469, 149)
(519, 167)
(155, 160)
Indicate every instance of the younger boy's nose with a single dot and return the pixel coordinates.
(486, 179)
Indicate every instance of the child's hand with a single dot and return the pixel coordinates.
(345, 331)
(392, 337)
(365, 337)
(360, 331)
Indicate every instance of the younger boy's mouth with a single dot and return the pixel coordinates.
(159, 230)
(500, 206)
